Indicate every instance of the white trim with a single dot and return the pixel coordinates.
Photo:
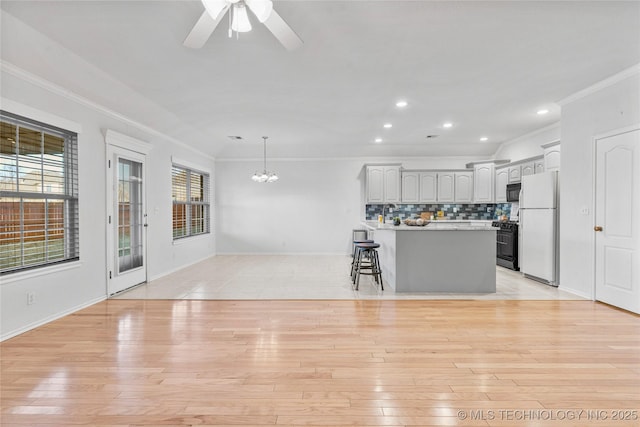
(111, 137)
(51, 318)
(19, 109)
(174, 270)
(285, 253)
(550, 144)
(575, 292)
(373, 161)
(615, 132)
(610, 81)
(189, 239)
(39, 271)
(529, 135)
(65, 93)
(190, 165)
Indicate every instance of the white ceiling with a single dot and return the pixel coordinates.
(485, 66)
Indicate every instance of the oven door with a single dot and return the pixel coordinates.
(505, 245)
(507, 249)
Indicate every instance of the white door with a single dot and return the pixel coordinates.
(617, 220)
(126, 219)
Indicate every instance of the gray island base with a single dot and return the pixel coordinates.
(441, 257)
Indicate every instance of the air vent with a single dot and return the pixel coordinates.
(235, 137)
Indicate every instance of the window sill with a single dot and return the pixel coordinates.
(30, 274)
(189, 239)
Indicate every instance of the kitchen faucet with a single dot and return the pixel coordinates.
(384, 208)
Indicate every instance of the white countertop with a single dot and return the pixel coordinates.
(441, 225)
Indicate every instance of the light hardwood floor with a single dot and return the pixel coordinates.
(315, 362)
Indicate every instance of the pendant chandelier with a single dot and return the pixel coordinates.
(265, 175)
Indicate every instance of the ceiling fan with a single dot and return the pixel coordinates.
(215, 10)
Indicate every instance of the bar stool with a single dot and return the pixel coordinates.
(354, 255)
(371, 268)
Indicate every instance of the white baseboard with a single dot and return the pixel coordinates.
(575, 292)
(51, 318)
(285, 253)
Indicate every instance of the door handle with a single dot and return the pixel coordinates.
(597, 228)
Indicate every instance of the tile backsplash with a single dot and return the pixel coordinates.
(486, 211)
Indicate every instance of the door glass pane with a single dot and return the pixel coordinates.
(130, 216)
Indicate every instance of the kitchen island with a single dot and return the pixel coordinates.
(443, 256)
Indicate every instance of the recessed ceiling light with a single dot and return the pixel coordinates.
(447, 125)
(484, 138)
(388, 125)
(234, 137)
(431, 136)
(401, 104)
(542, 112)
(377, 140)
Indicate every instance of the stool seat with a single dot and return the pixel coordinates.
(360, 266)
(363, 241)
(368, 245)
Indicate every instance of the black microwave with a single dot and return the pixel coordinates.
(513, 192)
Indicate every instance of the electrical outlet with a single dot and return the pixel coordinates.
(31, 298)
(584, 210)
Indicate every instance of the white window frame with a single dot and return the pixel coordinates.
(189, 168)
(70, 197)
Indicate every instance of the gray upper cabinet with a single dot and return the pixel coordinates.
(483, 179)
(446, 186)
(428, 187)
(463, 189)
(502, 179)
(383, 184)
(527, 169)
(410, 187)
(552, 156)
(515, 173)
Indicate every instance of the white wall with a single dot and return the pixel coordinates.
(313, 208)
(529, 145)
(612, 107)
(61, 292)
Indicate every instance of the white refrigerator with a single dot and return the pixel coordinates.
(538, 226)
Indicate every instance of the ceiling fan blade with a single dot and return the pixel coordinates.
(261, 8)
(283, 31)
(203, 30)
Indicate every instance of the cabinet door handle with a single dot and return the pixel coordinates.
(597, 228)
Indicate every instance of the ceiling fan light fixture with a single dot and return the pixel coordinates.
(240, 23)
(261, 8)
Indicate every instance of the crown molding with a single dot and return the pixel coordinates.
(112, 137)
(624, 74)
(54, 88)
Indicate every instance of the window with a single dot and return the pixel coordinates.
(190, 193)
(38, 194)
